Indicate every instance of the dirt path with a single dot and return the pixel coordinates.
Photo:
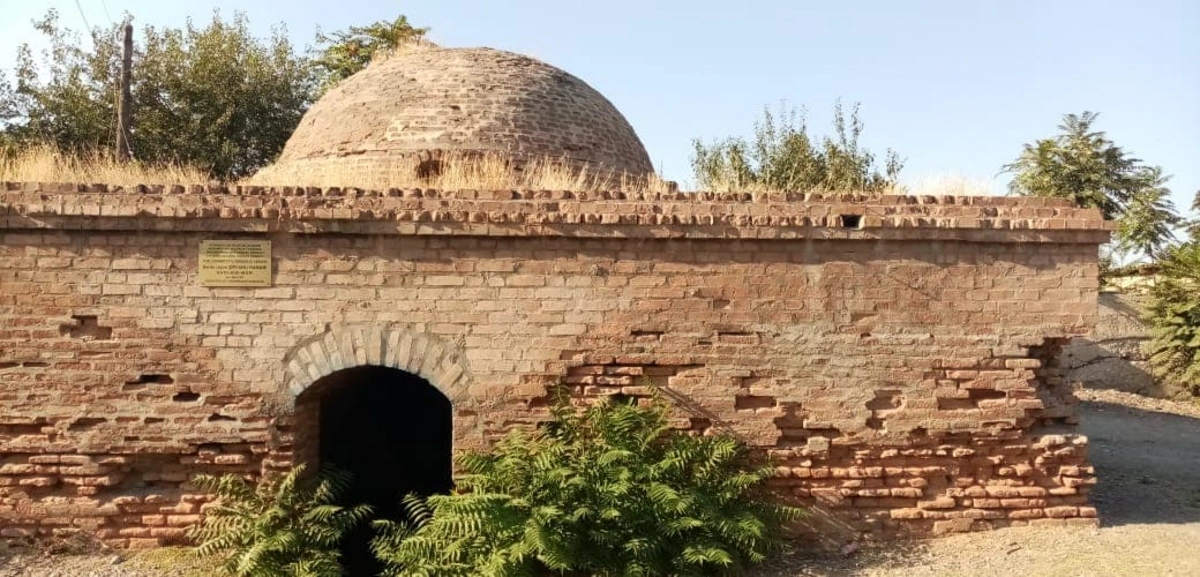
(1146, 453)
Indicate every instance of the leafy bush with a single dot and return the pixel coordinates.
(783, 156)
(213, 95)
(287, 528)
(610, 490)
(1174, 313)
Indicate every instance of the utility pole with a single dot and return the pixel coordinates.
(124, 98)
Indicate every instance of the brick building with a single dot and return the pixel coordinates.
(896, 356)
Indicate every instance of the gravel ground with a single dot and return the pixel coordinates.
(1147, 456)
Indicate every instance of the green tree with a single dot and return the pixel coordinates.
(68, 98)
(217, 97)
(213, 96)
(347, 51)
(1174, 315)
(782, 156)
(1147, 224)
(1194, 224)
(1082, 164)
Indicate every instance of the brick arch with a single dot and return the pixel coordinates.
(395, 346)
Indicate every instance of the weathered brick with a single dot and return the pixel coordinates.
(144, 378)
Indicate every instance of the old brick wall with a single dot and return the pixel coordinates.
(900, 366)
(1114, 354)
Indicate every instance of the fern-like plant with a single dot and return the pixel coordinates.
(609, 490)
(1174, 314)
(285, 528)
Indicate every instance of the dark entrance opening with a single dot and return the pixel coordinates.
(392, 431)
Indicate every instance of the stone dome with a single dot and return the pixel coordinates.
(429, 101)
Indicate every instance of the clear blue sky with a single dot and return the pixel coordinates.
(955, 86)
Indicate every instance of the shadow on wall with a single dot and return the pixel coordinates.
(1112, 357)
(1147, 464)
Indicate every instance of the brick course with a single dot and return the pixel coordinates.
(427, 103)
(902, 370)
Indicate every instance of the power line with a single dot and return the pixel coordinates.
(120, 88)
(104, 5)
(85, 20)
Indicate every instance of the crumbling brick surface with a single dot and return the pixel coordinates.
(425, 102)
(903, 375)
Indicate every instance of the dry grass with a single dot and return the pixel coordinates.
(932, 184)
(491, 171)
(479, 172)
(755, 187)
(47, 164)
(955, 184)
(176, 561)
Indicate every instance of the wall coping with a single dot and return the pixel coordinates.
(609, 214)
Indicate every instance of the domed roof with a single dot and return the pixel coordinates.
(432, 100)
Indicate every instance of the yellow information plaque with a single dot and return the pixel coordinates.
(233, 263)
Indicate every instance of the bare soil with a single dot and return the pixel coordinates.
(1147, 457)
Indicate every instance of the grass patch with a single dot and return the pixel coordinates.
(491, 171)
(177, 561)
(459, 171)
(947, 183)
(48, 164)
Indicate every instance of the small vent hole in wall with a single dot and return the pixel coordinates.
(949, 404)
(990, 394)
(851, 220)
(752, 402)
(427, 169)
(215, 417)
(185, 397)
(86, 327)
(542, 401)
(646, 334)
(85, 423)
(147, 379)
(18, 429)
(622, 399)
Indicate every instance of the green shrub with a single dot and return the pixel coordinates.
(286, 528)
(610, 490)
(1174, 313)
(783, 156)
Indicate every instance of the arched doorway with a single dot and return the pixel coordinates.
(392, 431)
